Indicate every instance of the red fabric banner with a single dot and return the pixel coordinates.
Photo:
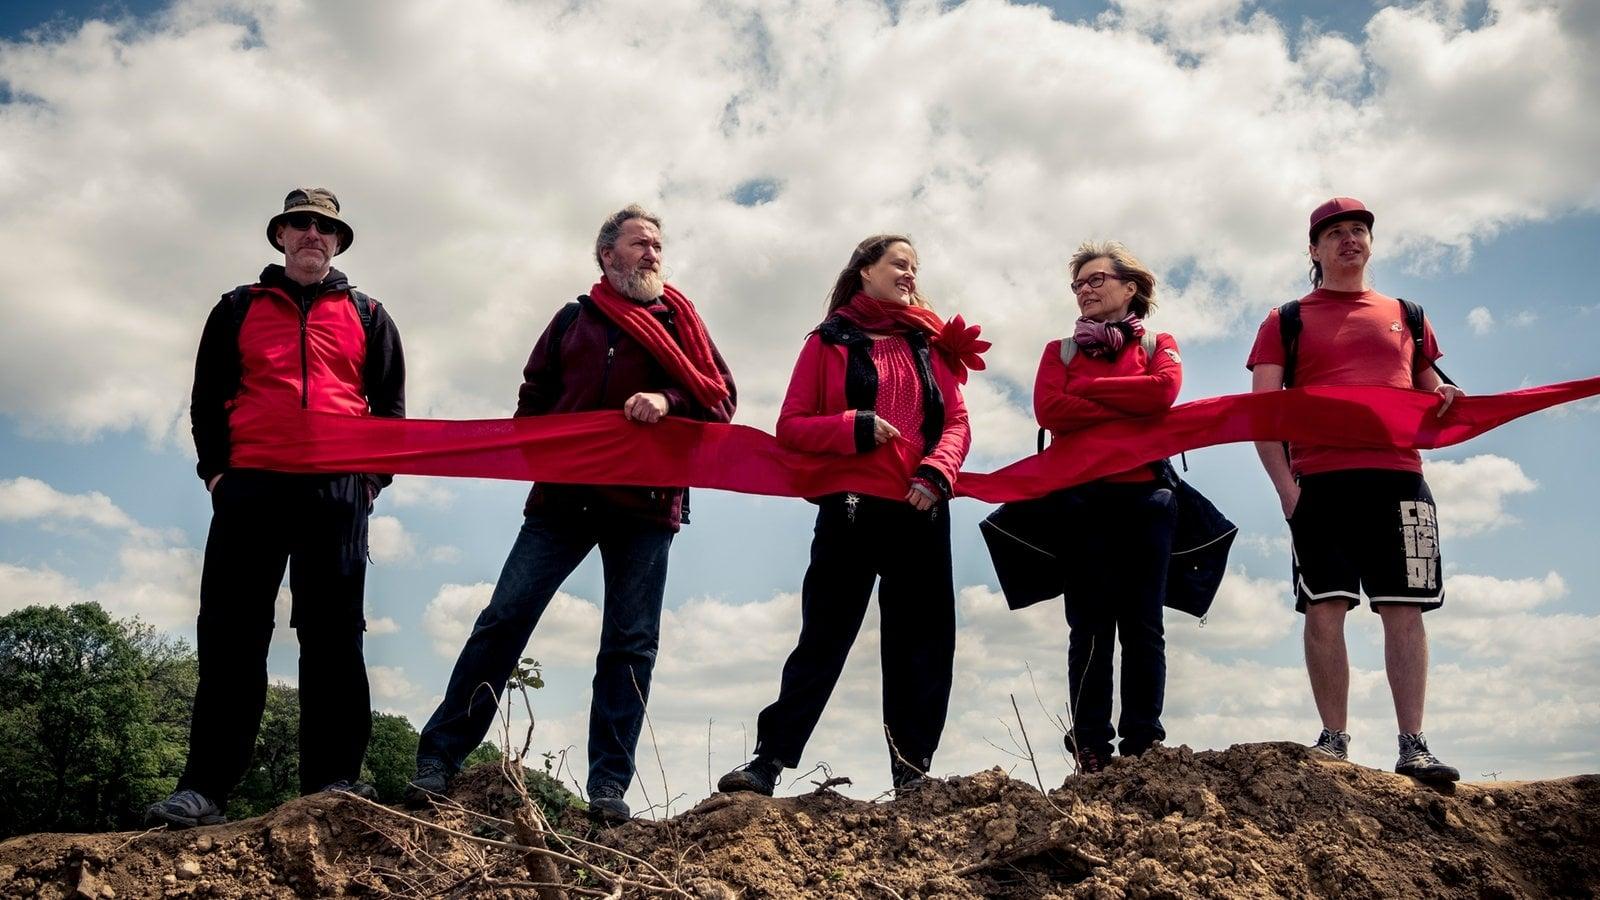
(605, 448)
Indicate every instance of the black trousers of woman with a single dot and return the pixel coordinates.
(1117, 594)
(859, 541)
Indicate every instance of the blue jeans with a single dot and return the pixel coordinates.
(549, 546)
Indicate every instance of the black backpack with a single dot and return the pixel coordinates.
(1289, 325)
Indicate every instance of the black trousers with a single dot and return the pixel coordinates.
(1118, 596)
(261, 522)
(908, 553)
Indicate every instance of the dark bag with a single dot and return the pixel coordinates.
(1033, 544)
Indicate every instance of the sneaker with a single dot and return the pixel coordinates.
(431, 780)
(606, 806)
(758, 776)
(184, 809)
(1333, 745)
(907, 776)
(1417, 761)
(1090, 760)
(359, 788)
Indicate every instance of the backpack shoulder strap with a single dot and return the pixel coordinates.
(1289, 331)
(565, 316)
(1069, 349)
(1414, 317)
(1148, 342)
(365, 306)
(239, 302)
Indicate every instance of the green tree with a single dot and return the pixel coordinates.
(391, 756)
(81, 744)
(274, 773)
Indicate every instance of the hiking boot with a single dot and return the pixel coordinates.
(1333, 745)
(1417, 761)
(759, 776)
(1090, 760)
(431, 781)
(606, 806)
(184, 809)
(359, 788)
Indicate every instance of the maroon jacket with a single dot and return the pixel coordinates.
(599, 366)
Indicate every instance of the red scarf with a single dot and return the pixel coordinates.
(957, 341)
(689, 359)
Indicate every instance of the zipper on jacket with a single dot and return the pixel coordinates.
(605, 376)
(305, 389)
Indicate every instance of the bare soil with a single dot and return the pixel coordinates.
(1255, 820)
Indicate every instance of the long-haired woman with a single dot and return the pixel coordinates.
(881, 367)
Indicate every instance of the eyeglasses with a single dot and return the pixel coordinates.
(308, 221)
(1094, 281)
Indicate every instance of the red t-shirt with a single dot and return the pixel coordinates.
(1347, 337)
(1100, 389)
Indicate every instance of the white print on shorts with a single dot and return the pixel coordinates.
(1421, 531)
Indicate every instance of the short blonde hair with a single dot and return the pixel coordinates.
(1128, 268)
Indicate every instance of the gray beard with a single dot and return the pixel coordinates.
(642, 285)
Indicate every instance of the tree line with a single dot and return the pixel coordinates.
(94, 726)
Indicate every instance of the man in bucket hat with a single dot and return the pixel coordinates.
(1361, 519)
(299, 338)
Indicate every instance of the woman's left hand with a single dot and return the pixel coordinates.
(920, 498)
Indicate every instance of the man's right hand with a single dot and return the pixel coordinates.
(211, 485)
(1289, 497)
(882, 431)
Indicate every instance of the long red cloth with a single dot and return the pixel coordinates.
(604, 448)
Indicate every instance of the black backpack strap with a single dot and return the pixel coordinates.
(1419, 360)
(1289, 330)
(365, 306)
(565, 316)
(238, 301)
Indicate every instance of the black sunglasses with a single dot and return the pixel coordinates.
(308, 221)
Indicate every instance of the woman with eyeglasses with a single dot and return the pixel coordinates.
(881, 368)
(1111, 367)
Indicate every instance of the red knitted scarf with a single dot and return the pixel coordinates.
(689, 359)
(883, 317)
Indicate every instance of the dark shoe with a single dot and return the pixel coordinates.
(431, 782)
(1090, 760)
(1334, 745)
(759, 776)
(359, 788)
(184, 809)
(606, 806)
(907, 776)
(1417, 761)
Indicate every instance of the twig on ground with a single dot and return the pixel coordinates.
(883, 887)
(666, 789)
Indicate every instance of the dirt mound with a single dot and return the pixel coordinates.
(1257, 820)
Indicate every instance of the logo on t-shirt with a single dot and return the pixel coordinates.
(1172, 353)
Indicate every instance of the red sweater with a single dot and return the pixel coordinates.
(1100, 389)
(816, 417)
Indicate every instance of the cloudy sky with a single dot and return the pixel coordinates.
(477, 145)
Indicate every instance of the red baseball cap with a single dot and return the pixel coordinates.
(1337, 210)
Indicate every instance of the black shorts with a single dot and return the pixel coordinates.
(1372, 530)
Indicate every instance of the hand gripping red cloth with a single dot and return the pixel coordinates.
(604, 448)
(691, 365)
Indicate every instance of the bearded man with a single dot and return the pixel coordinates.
(636, 344)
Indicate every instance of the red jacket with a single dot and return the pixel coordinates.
(298, 347)
(832, 393)
(1098, 389)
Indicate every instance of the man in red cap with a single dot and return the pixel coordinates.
(301, 337)
(1361, 519)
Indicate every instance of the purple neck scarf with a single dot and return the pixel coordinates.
(1106, 338)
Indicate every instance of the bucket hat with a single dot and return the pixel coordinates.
(318, 202)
